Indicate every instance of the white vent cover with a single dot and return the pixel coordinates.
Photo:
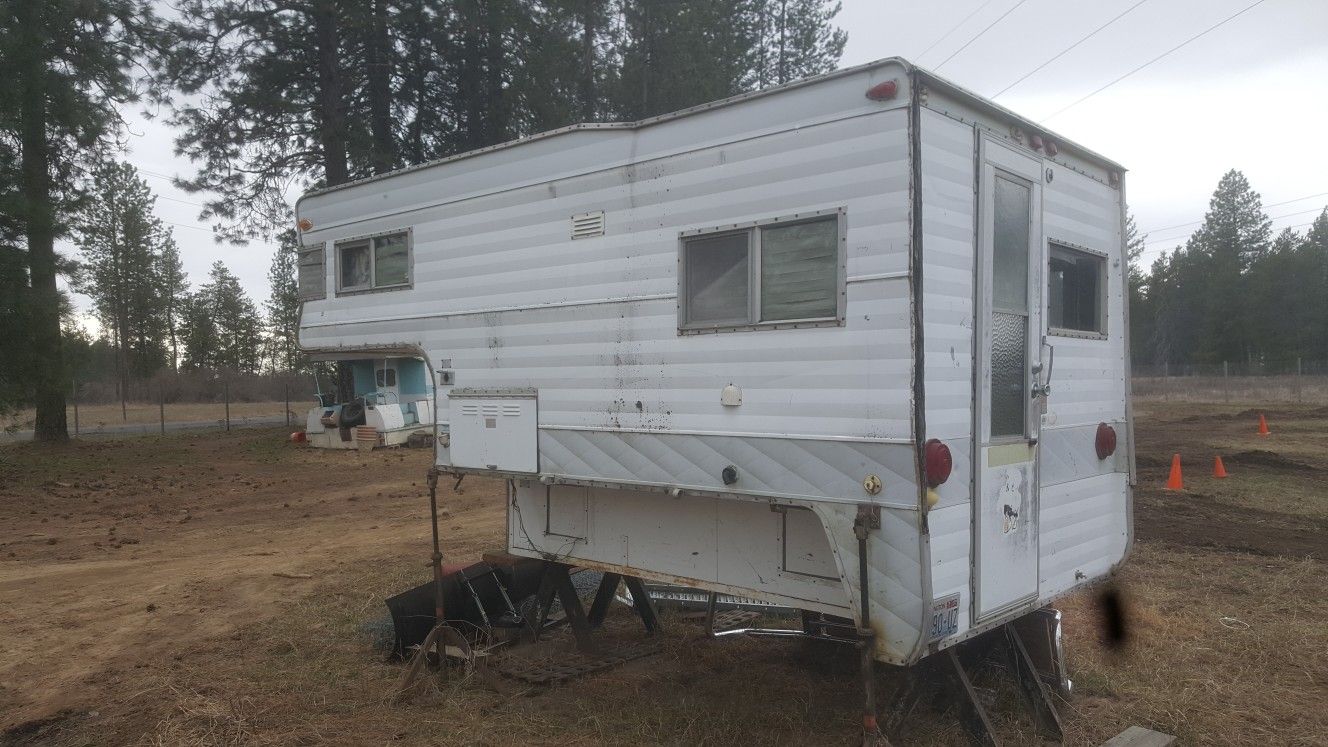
(587, 225)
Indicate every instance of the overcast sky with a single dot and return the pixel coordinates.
(1251, 95)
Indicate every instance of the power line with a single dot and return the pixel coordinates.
(1270, 205)
(1275, 217)
(1070, 48)
(1183, 44)
(980, 33)
(953, 29)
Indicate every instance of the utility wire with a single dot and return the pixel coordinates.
(1069, 49)
(953, 29)
(983, 31)
(1270, 205)
(1167, 53)
(1275, 217)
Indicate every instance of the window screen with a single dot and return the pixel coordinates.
(781, 271)
(377, 262)
(800, 271)
(311, 273)
(1075, 283)
(391, 260)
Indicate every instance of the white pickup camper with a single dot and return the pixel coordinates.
(861, 337)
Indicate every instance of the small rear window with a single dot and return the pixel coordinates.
(1076, 287)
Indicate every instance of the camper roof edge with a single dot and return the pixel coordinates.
(926, 76)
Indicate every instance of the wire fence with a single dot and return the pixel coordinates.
(1283, 381)
(179, 402)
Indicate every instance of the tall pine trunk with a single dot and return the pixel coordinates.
(332, 133)
(379, 51)
(470, 82)
(589, 105)
(495, 64)
(39, 227)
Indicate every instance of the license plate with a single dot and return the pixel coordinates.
(944, 618)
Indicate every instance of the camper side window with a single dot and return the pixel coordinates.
(311, 273)
(1076, 291)
(375, 262)
(776, 273)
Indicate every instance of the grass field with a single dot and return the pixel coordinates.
(220, 588)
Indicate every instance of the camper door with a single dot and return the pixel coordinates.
(385, 381)
(1009, 401)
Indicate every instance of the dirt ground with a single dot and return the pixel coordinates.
(227, 589)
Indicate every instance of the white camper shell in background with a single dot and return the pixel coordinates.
(699, 347)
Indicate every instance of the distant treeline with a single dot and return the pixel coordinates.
(1233, 292)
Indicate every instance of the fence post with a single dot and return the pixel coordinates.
(1166, 380)
(161, 404)
(75, 409)
(1226, 381)
(286, 391)
(1298, 365)
(226, 389)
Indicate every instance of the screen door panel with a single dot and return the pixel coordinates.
(1009, 322)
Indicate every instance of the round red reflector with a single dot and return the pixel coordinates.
(937, 461)
(1106, 441)
(304, 224)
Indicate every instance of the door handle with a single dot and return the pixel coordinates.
(1043, 389)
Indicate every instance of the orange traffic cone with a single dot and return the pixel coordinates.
(1218, 469)
(1174, 482)
(1263, 426)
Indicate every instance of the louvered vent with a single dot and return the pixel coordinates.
(587, 225)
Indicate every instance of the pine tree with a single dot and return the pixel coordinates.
(122, 245)
(283, 306)
(271, 96)
(223, 329)
(1141, 312)
(1235, 234)
(67, 67)
(798, 40)
(173, 284)
(16, 370)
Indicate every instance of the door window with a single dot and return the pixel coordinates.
(1011, 203)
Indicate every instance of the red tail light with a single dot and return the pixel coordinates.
(938, 462)
(883, 91)
(1106, 441)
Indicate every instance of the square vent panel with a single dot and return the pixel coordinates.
(494, 429)
(586, 225)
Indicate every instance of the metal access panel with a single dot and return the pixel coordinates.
(495, 429)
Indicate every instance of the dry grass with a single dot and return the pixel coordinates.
(1210, 389)
(1228, 649)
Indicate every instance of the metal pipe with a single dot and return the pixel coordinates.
(866, 636)
(777, 633)
(437, 557)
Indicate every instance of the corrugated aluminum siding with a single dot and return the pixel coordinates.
(503, 292)
(948, 215)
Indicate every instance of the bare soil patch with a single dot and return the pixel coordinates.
(140, 604)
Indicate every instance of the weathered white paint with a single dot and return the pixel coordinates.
(633, 433)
